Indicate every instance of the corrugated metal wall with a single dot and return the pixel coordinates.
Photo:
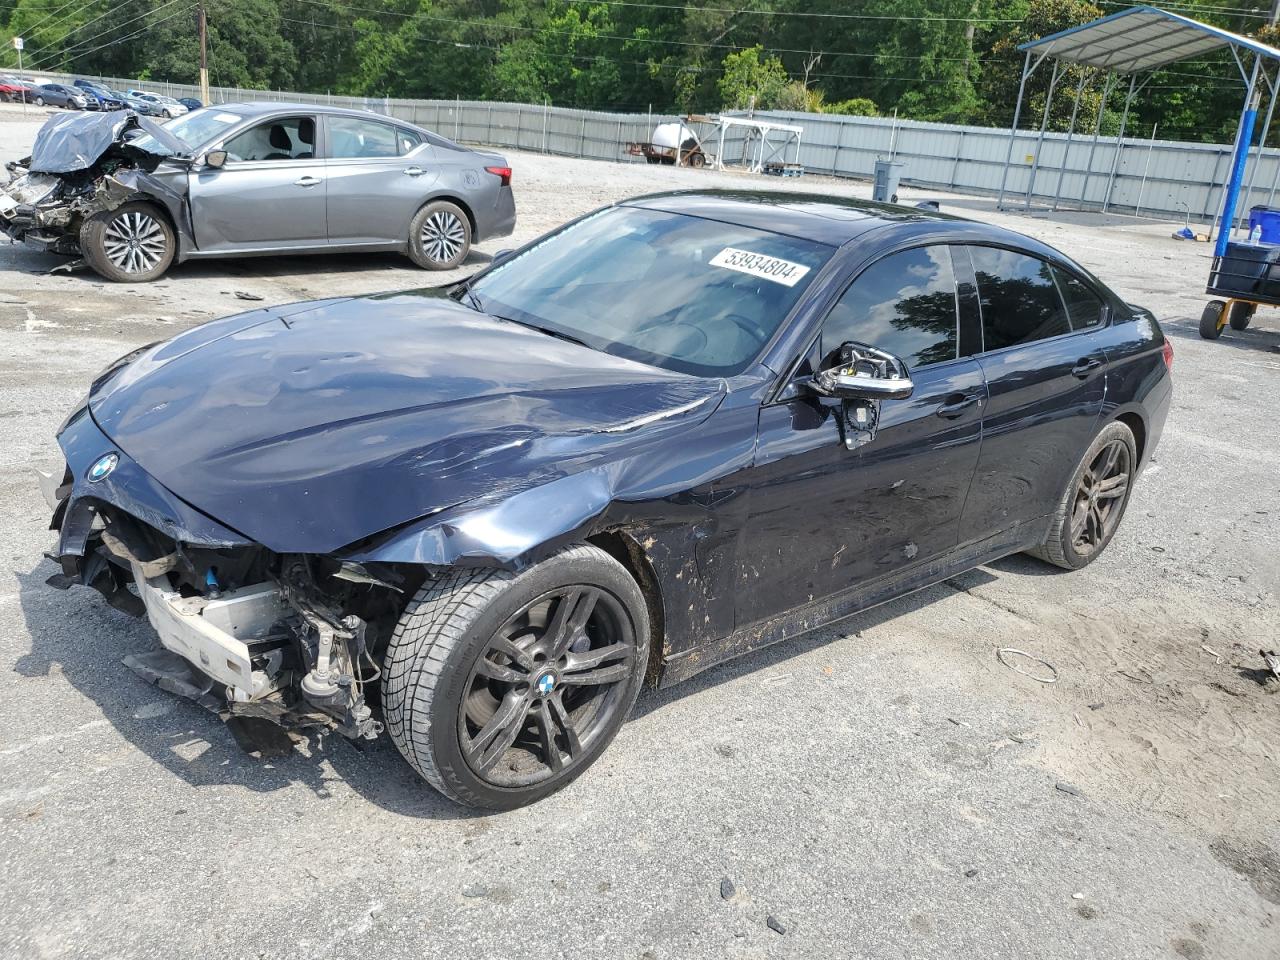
(1163, 178)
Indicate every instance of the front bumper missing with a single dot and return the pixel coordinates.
(213, 635)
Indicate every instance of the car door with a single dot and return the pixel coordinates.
(378, 177)
(1046, 376)
(824, 518)
(269, 194)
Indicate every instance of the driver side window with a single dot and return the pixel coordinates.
(286, 138)
(904, 304)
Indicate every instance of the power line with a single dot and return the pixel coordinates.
(589, 58)
(606, 36)
(75, 30)
(796, 13)
(34, 27)
(77, 48)
(119, 40)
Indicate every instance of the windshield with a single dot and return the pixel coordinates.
(679, 292)
(195, 128)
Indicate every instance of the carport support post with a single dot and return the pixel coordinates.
(1262, 141)
(1244, 137)
(1044, 125)
(1066, 147)
(1108, 84)
(1115, 157)
(1013, 131)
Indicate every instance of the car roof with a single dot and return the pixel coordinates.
(833, 221)
(262, 109)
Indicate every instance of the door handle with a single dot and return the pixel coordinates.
(307, 181)
(413, 171)
(956, 407)
(1085, 366)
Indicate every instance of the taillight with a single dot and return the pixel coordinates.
(1168, 354)
(503, 172)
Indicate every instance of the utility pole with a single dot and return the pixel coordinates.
(204, 53)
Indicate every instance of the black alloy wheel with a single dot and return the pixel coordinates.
(551, 680)
(1100, 498)
(501, 687)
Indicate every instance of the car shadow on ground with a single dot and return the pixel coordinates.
(279, 266)
(74, 634)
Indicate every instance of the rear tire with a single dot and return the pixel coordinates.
(1240, 314)
(439, 236)
(131, 244)
(1211, 320)
(1094, 501)
(488, 698)
(39, 101)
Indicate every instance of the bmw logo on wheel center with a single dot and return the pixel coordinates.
(546, 683)
(102, 467)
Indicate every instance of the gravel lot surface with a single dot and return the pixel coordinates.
(885, 789)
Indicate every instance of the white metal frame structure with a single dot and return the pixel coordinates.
(1134, 43)
(756, 141)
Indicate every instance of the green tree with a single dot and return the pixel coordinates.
(749, 81)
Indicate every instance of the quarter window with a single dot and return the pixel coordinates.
(353, 137)
(1020, 302)
(904, 304)
(407, 140)
(1084, 309)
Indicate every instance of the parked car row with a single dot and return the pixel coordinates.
(90, 95)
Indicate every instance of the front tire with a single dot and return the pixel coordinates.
(439, 236)
(131, 244)
(39, 101)
(501, 688)
(1211, 319)
(1095, 500)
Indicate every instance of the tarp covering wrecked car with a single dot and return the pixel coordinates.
(76, 141)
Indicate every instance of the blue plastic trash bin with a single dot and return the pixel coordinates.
(1268, 218)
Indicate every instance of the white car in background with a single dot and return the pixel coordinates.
(169, 107)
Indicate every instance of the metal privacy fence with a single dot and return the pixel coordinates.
(1156, 178)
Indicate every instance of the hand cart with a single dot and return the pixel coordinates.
(1246, 277)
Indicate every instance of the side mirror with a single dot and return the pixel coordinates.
(865, 373)
(501, 255)
(216, 159)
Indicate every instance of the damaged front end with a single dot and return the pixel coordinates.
(83, 164)
(292, 639)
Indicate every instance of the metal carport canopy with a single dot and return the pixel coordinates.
(1140, 39)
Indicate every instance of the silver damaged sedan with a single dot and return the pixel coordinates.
(132, 197)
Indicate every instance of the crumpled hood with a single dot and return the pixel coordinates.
(309, 427)
(76, 141)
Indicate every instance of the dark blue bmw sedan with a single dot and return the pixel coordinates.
(481, 517)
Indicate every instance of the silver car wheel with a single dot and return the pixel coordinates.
(442, 236)
(134, 242)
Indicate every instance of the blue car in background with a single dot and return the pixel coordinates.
(98, 96)
(191, 103)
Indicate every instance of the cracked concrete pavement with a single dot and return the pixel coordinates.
(884, 788)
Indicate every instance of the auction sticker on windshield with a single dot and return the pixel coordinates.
(758, 265)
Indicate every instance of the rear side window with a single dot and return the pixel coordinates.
(1020, 302)
(905, 304)
(1084, 308)
(352, 137)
